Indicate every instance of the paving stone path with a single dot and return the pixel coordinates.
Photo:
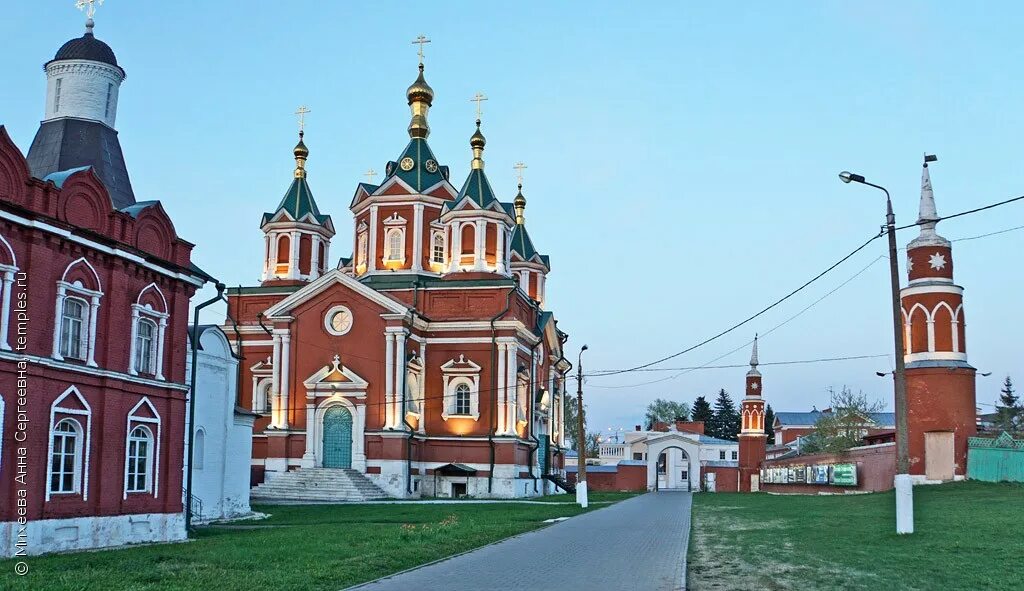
(636, 545)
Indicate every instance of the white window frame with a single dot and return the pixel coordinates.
(436, 235)
(145, 360)
(391, 236)
(414, 402)
(59, 413)
(463, 387)
(56, 95)
(75, 433)
(146, 313)
(6, 287)
(92, 298)
(68, 348)
(461, 371)
(132, 453)
(523, 397)
(152, 424)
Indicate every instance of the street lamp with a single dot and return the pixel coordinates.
(581, 442)
(903, 484)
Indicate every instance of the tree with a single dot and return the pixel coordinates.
(572, 429)
(1009, 412)
(593, 445)
(726, 422)
(666, 411)
(845, 426)
(702, 412)
(769, 423)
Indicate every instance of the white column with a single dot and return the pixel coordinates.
(502, 385)
(94, 313)
(5, 311)
(160, 347)
(285, 354)
(401, 386)
(255, 381)
(314, 256)
(293, 258)
(541, 280)
(131, 345)
(269, 256)
(423, 387)
(480, 256)
(499, 249)
(389, 380)
(309, 456)
(327, 255)
(58, 314)
(371, 245)
(275, 387)
(358, 439)
(511, 400)
(417, 237)
(524, 281)
(455, 247)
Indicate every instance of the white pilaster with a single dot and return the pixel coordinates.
(423, 387)
(502, 385)
(269, 256)
(389, 379)
(5, 311)
(417, 237)
(400, 377)
(314, 256)
(524, 281)
(309, 457)
(293, 257)
(371, 246)
(285, 359)
(275, 387)
(94, 313)
(499, 249)
(132, 361)
(58, 315)
(455, 247)
(480, 256)
(162, 328)
(513, 394)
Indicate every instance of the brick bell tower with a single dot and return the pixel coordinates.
(940, 383)
(752, 436)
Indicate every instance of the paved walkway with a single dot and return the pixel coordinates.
(636, 545)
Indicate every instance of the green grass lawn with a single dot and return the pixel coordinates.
(968, 535)
(304, 548)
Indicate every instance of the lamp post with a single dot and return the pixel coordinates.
(903, 484)
(581, 451)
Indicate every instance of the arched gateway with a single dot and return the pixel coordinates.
(691, 462)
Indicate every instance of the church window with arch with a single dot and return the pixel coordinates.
(394, 246)
(145, 352)
(437, 248)
(73, 333)
(66, 457)
(140, 460)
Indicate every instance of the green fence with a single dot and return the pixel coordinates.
(995, 460)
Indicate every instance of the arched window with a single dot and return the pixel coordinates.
(262, 400)
(412, 392)
(522, 398)
(463, 399)
(145, 351)
(437, 251)
(322, 257)
(395, 247)
(140, 460)
(284, 255)
(200, 450)
(66, 457)
(72, 329)
(361, 243)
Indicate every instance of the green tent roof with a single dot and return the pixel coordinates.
(425, 171)
(477, 188)
(298, 202)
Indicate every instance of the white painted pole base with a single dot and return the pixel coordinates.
(581, 493)
(904, 504)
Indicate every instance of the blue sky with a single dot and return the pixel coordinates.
(682, 157)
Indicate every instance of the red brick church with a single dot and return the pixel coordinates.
(95, 289)
(427, 363)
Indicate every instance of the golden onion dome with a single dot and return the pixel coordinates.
(301, 151)
(477, 140)
(420, 91)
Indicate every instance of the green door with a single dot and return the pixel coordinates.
(337, 438)
(542, 454)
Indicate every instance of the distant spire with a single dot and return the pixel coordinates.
(520, 201)
(420, 96)
(753, 360)
(927, 216)
(477, 141)
(301, 153)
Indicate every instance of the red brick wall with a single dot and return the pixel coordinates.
(726, 479)
(876, 468)
(940, 399)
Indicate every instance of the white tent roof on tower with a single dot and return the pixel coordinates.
(927, 216)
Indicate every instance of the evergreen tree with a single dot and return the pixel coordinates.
(1009, 413)
(769, 422)
(726, 422)
(702, 412)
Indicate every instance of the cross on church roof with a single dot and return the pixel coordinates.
(478, 98)
(89, 6)
(301, 112)
(519, 166)
(421, 41)
(370, 174)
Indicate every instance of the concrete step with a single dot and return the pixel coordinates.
(318, 484)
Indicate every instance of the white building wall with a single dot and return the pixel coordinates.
(220, 479)
(81, 533)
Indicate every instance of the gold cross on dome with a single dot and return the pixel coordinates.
(421, 41)
(302, 117)
(89, 6)
(519, 166)
(478, 98)
(370, 174)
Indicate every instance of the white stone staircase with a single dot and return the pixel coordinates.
(317, 485)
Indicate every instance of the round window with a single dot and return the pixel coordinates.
(338, 320)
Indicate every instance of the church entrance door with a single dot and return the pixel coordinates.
(337, 438)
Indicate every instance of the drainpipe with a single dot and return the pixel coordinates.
(238, 356)
(192, 401)
(494, 385)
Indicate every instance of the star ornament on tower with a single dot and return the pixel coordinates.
(937, 261)
(910, 263)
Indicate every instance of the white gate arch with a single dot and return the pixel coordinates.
(657, 445)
